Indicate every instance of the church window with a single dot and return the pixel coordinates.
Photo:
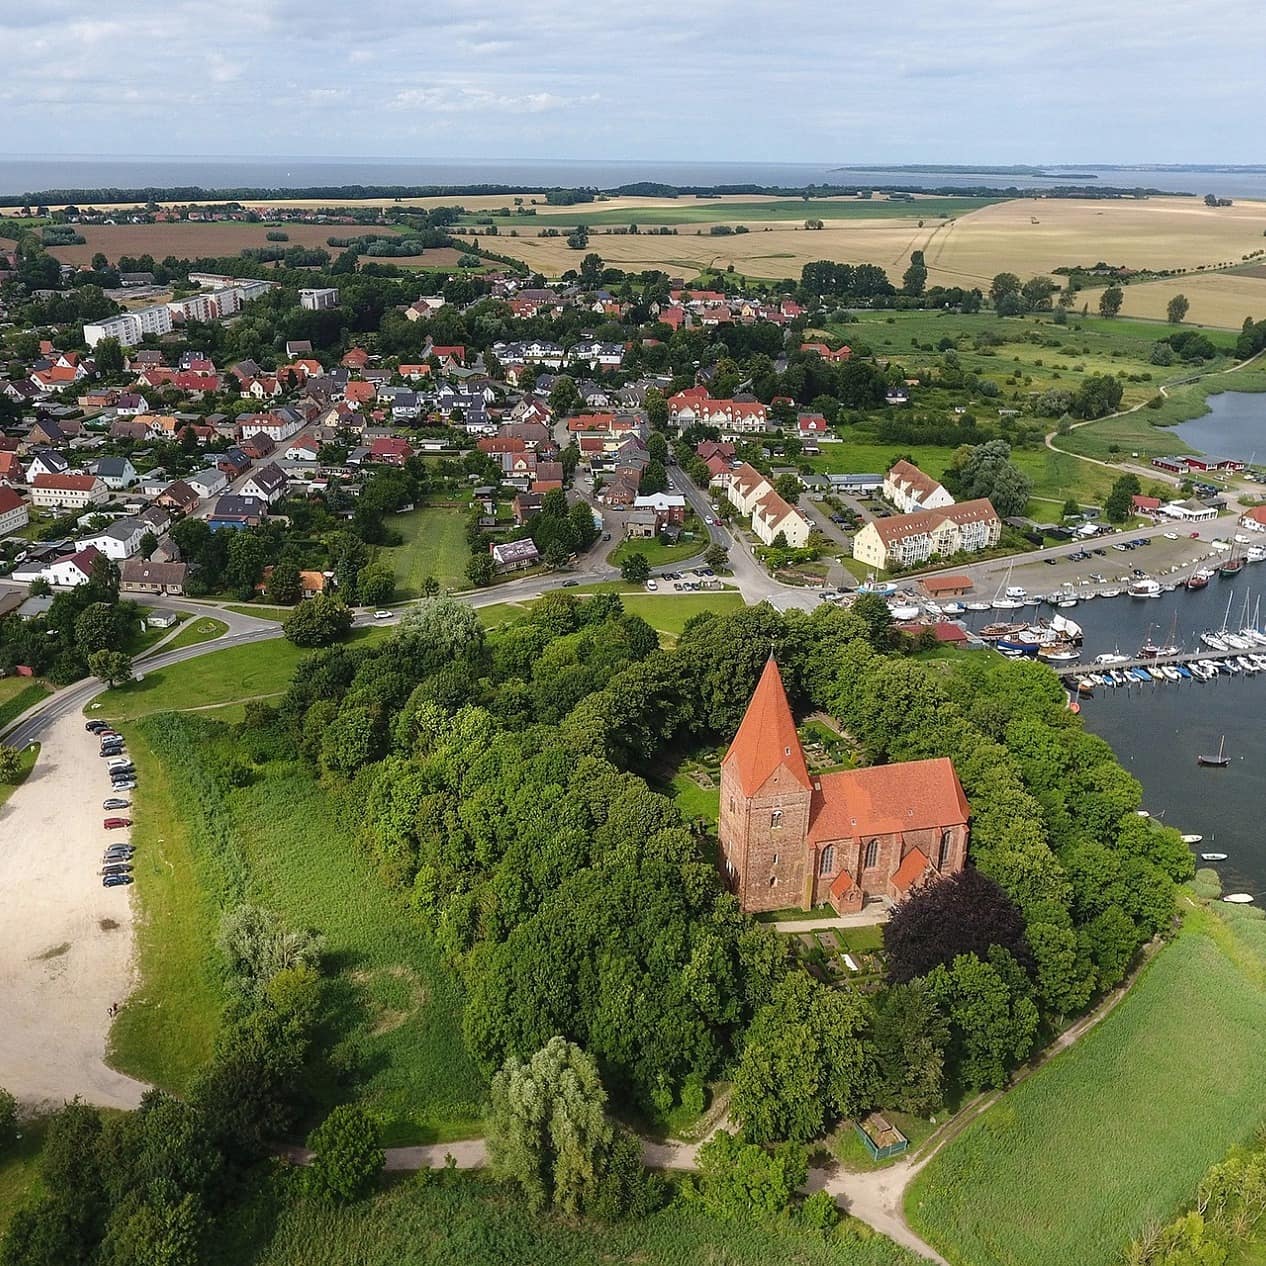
(947, 838)
(775, 819)
(773, 881)
(872, 853)
(827, 862)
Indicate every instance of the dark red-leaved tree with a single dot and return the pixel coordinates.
(964, 913)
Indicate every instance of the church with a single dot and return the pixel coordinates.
(790, 838)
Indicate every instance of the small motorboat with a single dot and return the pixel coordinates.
(1220, 761)
(1192, 839)
(977, 606)
(1238, 898)
(1213, 857)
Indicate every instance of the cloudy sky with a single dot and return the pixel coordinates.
(762, 80)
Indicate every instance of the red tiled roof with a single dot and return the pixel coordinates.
(902, 526)
(9, 500)
(1257, 514)
(766, 740)
(913, 867)
(841, 884)
(66, 483)
(915, 795)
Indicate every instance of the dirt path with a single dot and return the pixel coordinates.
(65, 942)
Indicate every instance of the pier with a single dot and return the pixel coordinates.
(1082, 668)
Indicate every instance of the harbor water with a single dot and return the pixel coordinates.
(1158, 730)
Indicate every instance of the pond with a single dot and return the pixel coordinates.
(1234, 427)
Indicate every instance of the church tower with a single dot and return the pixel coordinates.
(766, 796)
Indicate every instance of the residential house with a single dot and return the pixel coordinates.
(668, 507)
(116, 472)
(233, 463)
(390, 450)
(236, 512)
(139, 575)
(827, 353)
(208, 482)
(641, 523)
(14, 514)
(319, 299)
(906, 540)
(304, 449)
(257, 445)
(118, 540)
(525, 505)
(267, 483)
(910, 490)
(73, 569)
(179, 497)
(772, 515)
(356, 358)
(10, 469)
(67, 492)
(596, 354)
(514, 555)
(1253, 520)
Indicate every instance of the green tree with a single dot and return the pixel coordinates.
(657, 447)
(1176, 309)
(788, 488)
(248, 552)
(377, 584)
(108, 357)
(635, 569)
(563, 396)
(147, 545)
(915, 278)
(556, 555)
(746, 1182)
(349, 1156)
(1004, 286)
(439, 630)
(317, 622)
(656, 409)
(10, 764)
(112, 667)
(285, 585)
(1110, 301)
(654, 478)
(802, 1061)
(1119, 503)
(908, 1040)
(717, 557)
(481, 570)
(98, 628)
(547, 1127)
(8, 1109)
(430, 587)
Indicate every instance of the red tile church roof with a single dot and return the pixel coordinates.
(767, 739)
(915, 795)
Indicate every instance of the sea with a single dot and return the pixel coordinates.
(30, 173)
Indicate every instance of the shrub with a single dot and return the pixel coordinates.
(348, 1158)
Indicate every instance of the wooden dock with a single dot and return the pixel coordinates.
(1082, 667)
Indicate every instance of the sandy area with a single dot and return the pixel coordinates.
(65, 941)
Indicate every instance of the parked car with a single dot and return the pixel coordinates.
(1171, 536)
(117, 868)
(115, 881)
(125, 784)
(116, 802)
(95, 727)
(117, 762)
(119, 853)
(111, 749)
(651, 586)
(117, 824)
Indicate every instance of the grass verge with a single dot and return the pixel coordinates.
(26, 763)
(17, 694)
(1115, 1133)
(199, 629)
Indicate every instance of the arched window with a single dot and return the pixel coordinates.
(947, 839)
(775, 819)
(826, 864)
(872, 854)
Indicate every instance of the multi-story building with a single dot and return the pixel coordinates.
(750, 493)
(130, 327)
(910, 490)
(317, 300)
(67, 492)
(906, 540)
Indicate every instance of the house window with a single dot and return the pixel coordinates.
(775, 819)
(872, 854)
(947, 838)
(826, 864)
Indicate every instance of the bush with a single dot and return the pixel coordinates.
(8, 1120)
(317, 622)
(349, 1156)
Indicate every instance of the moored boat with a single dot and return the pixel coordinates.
(1238, 898)
(1213, 857)
(1144, 587)
(1220, 761)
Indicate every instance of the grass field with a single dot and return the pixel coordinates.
(434, 545)
(166, 1029)
(695, 211)
(283, 843)
(1115, 1133)
(463, 1218)
(17, 694)
(19, 1172)
(668, 613)
(199, 629)
(260, 612)
(26, 763)
(659, 554)
(1217, 299)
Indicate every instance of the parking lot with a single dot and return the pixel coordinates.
(65, 940)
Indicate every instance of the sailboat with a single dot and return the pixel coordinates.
(1220, 761)
(1014, 597)
(1233, 564)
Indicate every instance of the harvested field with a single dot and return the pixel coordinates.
(967, 250)
(1217, 299)
(213, 240)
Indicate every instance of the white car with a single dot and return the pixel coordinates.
(1220, 545)
(1171, 536)
(382, 615)
(709, 520)
(1241, 540)
(651, 586)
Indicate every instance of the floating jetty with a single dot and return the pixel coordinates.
(1182, 659)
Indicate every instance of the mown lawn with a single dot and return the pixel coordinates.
(668, 612)
(1113, 1135)
(228, 676)
(434, 545)
(19, 1171)
(202, 628)
(26, 763)
(462, 1219)
(659, 554)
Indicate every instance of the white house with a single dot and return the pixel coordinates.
(13, 512)
(120, 540)
(304, 449)
(46, 462)
(67, 492)
(279, 427)
(1189, 511)
(910, 490)
(74, 569)
(1254, 520)
(318, 300)
(267, 483)
(207, 483)
(905, 540)
(750, 493)
(116, 472)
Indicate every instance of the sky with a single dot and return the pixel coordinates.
(976, 81)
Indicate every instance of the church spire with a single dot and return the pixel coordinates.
(767, 738)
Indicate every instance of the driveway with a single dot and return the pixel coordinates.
(65, 942)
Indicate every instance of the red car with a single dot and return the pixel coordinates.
(112, 824)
